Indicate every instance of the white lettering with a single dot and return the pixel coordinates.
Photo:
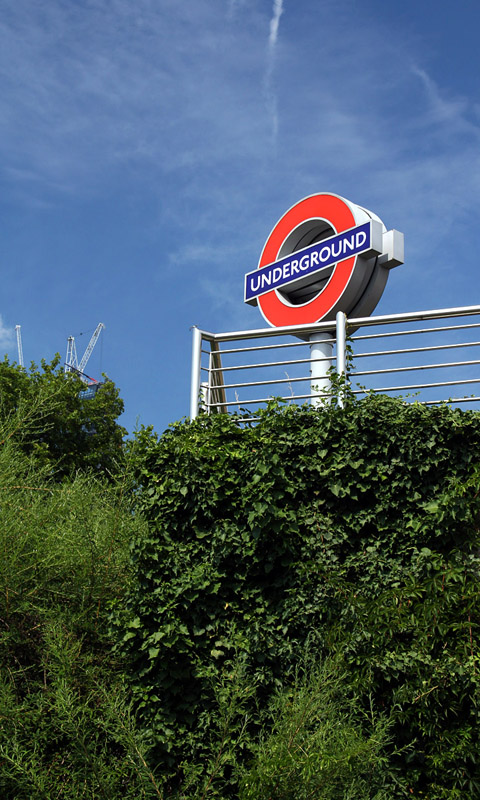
(361, 238)
(339, 243)
(266, 279)
(254, 288)
(332, 249)
(294, 267)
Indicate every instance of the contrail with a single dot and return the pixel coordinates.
(270, 95)
(274, 23)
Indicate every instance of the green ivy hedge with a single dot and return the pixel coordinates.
(338, 531)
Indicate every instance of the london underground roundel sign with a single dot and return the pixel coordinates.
(324, 255)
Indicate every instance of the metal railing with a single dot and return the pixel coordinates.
(385, 354)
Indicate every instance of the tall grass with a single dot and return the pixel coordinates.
(319, 745)
(66, 724)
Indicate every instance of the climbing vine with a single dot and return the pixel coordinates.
(348, 532)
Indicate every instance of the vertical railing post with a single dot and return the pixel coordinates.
(195, 374)
(341, 335)
(206, 386)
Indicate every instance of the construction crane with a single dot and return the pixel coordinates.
(18, 329)
(71, 360)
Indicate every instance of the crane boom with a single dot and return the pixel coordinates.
(90, 346)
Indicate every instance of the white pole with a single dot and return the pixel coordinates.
(321, 355)
(195, 374)
(341, 333)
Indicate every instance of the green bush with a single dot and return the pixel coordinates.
(66, 724)
(55, 424)
(319, 745)
(355, 530)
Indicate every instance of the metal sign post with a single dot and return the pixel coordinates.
(321, 361)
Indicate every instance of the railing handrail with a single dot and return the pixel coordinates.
(356, 322)
(215, 388)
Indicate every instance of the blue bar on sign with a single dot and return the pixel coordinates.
(307, 261)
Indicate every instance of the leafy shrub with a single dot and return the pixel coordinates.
(355, 530)
(53, 422)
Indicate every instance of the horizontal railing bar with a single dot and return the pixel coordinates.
(269, 364)
(273, 346)
(265, 383)
(425, 349)
(266, 333)
(417, 386)
(356, 355)
(415, 368)
(362, 355)
(321, 396)
(386, 334)
(437, 313)
(451, 400)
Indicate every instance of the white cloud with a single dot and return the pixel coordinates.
(6, 335)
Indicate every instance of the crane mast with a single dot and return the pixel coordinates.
(18, 329)
(71, 357)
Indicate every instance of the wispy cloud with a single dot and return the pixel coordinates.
(274, 23)
(168, 94)
(125, 86)
(270, 94)
(442, 110)
(6, 335)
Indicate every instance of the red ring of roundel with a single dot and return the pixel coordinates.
(339, 215)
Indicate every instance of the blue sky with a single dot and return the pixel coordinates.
(147, 148)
